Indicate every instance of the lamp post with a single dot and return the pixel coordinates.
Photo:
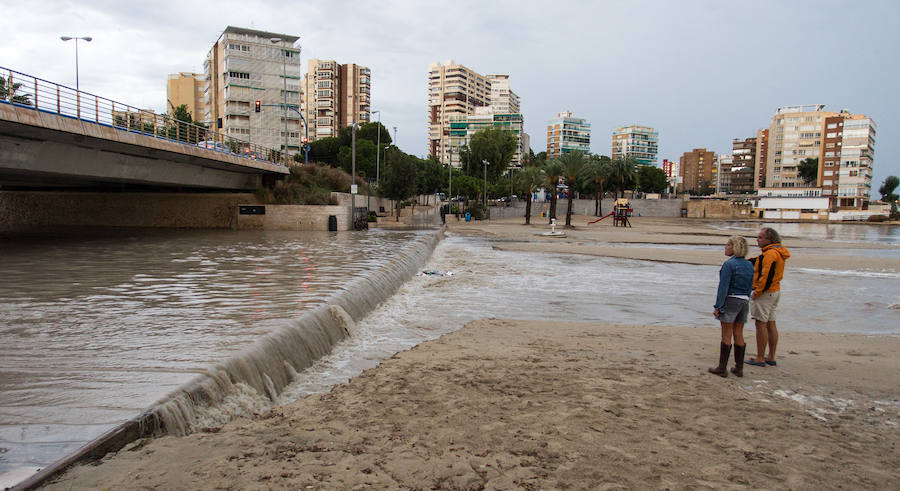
(283, 94)
(378, 152)
(486, 163)
(353, 129)
(77, 87)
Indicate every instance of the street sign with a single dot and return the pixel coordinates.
(353, 189)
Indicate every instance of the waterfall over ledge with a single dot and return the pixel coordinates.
(269, 364)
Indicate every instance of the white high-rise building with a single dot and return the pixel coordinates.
(457, 93)
(245, 66)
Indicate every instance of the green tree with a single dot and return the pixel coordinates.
(887, 192)
(573, 163)
(527, 181)
(431, 177)
(651, 179)
(808, 170)
(495, 145)
(593, 178)
(622, 173)
(553, 172)
(325, 150)
(8, 92)
(365, 158)
(399, 178)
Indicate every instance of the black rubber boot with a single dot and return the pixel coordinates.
(724, 353)
(738, 369)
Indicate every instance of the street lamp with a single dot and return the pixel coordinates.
(378, 151)
(353, 129)
(77, 87)
(283, 94)
(486, 163)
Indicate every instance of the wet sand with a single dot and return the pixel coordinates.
(510, 404)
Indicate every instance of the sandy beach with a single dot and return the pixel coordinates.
(524, 404)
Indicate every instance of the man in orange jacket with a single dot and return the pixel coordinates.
(768, 269)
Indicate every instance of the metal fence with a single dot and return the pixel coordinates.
(26, 91)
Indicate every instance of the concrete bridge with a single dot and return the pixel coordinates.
(53, 137)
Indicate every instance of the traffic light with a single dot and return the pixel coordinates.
(257, 106)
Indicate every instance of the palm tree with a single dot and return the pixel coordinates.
(622, 172)
(593, 177)
(527, 182)
(553, 172)
(572, 163)
(9, 88)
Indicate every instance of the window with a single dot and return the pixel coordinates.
(239, 75)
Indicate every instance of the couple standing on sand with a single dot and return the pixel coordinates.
(740, 281)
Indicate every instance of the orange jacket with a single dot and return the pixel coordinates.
(768, 268)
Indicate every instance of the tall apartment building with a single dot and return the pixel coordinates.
(640, 142)
(762, 151)
(843, 143)
(673, 174)
(566, 134)
(335, 96)
(186, 88)
(462, 127)
(697, 170)
(724, 164)
(742, 171)
(244, 66)
(502, 100)
(857, 151)
(455, 92)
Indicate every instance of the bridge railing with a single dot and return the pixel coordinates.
(26, 91)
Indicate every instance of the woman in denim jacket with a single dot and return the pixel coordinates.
(732, 305)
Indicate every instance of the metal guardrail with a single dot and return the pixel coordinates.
(26, 91)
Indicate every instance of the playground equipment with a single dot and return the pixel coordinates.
(621, 211)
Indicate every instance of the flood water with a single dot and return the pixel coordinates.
(96, 330)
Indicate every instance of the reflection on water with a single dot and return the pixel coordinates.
(842, 232)
(96, 329)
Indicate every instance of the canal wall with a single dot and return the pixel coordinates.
(27, 209)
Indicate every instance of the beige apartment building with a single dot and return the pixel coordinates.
(454, 93)
(245, 66)
(843, 143)
(335, 96)
(566, 133)
(640, 142)
(698, 170)
(186, 88)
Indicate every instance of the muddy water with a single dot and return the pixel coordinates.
(98, 325)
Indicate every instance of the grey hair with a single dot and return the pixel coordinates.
(738, 245)
(771, 235)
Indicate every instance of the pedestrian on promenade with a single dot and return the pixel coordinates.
(732, 305)
(768, 269)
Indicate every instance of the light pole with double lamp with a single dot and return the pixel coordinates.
(378, 151)
(77, 87)
(486, 163)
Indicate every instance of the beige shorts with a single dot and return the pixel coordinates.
(762, 308)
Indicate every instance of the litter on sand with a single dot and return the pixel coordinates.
(435, 273)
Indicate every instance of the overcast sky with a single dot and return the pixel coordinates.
(700, 72)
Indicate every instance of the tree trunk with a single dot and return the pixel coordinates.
(398, 211)
(552, 208)
(569, 211)
(528, 210)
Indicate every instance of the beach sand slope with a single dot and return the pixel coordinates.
(510, 404)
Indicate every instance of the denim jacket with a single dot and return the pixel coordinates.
(735, 278)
